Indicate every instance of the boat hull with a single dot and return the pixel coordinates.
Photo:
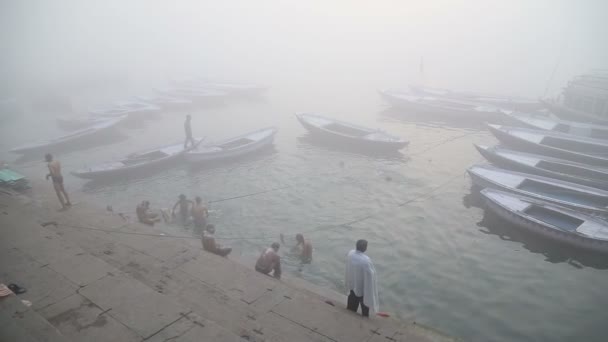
(198, 157)
(510, 164)
(351, 141)
(128, 170)
(530, 146)
(482, 182)
(571, 114)
(54, 146)
(426, 108)
(526, 224)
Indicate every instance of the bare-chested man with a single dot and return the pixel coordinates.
(55, 174)
(184, 208)
(303, 248)
(270, 261)
(210, 245)
(144, 215)
(199, 213)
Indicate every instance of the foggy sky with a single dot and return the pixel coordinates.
(509, 47)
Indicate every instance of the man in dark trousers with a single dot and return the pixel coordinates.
(361, 280)
(188, 130)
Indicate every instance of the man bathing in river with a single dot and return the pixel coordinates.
(55, 174)
(199, 213)
(184, 208)
(209, 242)
(303, 248)
(270, 261)
(144, 215)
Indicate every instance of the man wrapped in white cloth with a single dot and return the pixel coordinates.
(361, 280)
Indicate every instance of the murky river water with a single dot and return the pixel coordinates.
(440, 260)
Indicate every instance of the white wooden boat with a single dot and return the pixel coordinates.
(572, 114)
(165, 101)
(121, 108)
(561, 126)
(559, 145)
(73, 137)
(233, 147)
(350, 133)
(537, 164)
(552, 221)
(228, 87)
(502, 101)
(196, 94)
(564, 193)
(456, 108)
(71, 123)
(140, 161)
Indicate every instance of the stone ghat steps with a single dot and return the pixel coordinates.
(96, 286)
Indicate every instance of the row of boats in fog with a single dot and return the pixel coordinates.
(548, 176)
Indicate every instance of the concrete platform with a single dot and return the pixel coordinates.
(91, 276)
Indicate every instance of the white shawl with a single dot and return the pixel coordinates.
(361, 278)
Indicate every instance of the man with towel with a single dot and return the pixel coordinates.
(360, 280)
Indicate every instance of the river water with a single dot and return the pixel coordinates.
(440, 260)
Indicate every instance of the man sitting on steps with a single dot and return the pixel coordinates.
(209, 242)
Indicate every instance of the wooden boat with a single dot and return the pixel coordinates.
(144, 160)
(572, 114)
(502, 101)
(560, 126)
(240, 89)
(196, 94)
(456, 108)
(549, 220)
(165, 101)
(564, 193)
(233, 147)
(559, 145)
(72, 138)
(566, 170)
(350, 133)
(71, 123)
(121, 108)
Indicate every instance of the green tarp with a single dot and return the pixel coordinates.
(9, 176)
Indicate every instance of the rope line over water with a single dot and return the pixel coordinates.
(423, 196)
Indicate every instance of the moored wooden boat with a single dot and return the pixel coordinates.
(69, 139)
(564, 193)
(231, 88)
(71, 123)
(502, 101)
(572, 114)
(559, 145)
(593, 176)
(456, 108)
(234, 147)
(139, 161)
(560, 126)
(549, 220)
(350, 133)
(121, 108)
(166, 101)
(195, 94)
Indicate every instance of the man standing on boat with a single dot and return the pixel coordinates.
(188, 130)
(360, 280)
(55, 174)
